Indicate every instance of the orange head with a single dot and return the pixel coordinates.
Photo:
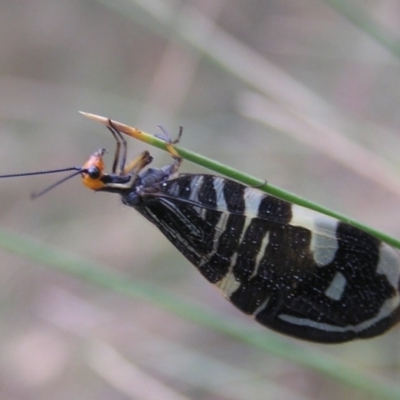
(93, 171)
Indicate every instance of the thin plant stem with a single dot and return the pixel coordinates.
(242, 177)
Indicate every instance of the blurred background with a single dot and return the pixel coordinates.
(302, 94)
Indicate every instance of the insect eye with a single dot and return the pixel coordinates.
(93, 172)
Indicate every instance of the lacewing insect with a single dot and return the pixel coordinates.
(292, 269)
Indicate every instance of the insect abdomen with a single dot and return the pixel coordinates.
(294, 270)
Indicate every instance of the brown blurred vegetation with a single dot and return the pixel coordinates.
(287, 91)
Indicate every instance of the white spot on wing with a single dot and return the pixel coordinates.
(260, 254)
(219, 230)
(337, 287)
(323, 233)
(252, 200)
(389, 264)
(195, 185)
(228, 284)
(261, 307)
(218, 184)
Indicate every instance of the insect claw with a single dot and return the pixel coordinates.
(167, 137)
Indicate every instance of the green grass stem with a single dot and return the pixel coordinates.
(244, 178)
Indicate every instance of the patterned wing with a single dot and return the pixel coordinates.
(294, 270)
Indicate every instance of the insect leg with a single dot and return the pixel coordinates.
(138, 163)
(120, 140)
(170, 147)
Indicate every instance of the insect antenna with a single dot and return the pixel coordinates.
(78, 170)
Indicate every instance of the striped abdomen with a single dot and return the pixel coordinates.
(294, 270)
